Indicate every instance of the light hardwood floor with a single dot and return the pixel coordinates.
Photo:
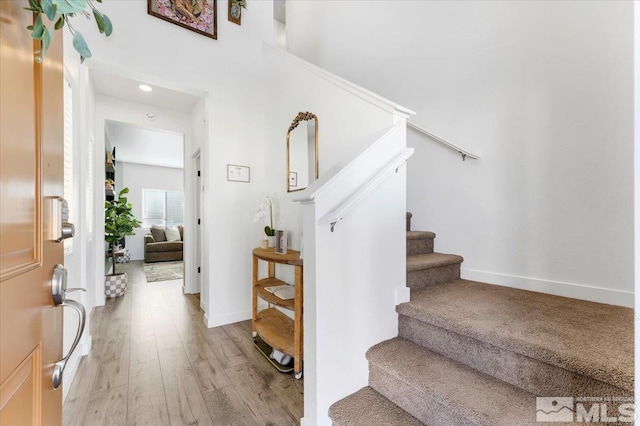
(153, 362)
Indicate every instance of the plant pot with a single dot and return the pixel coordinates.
(115, 285)
(264, 244)
(272, 241)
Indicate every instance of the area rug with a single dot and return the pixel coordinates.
(164, 271)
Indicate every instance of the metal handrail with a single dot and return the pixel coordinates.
(462, 151)
(343, 209)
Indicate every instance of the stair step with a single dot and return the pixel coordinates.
(433, 268)
(419, 235)
(538, 342)
(432, 260)
(366, 408)
(443, 392)
(419, 242)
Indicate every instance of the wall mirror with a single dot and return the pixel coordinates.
(302, 151)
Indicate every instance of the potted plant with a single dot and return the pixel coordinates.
(119, 222)
(264, 214)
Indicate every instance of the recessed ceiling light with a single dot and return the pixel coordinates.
(145, 88)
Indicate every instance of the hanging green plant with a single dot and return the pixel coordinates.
(59, 12)
(241, 3)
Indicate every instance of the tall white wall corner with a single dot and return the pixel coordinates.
(350, 274)
(403, 295)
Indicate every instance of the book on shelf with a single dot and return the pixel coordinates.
(284, 292)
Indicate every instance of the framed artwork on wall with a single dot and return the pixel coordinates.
(237, 173)
(195, 15)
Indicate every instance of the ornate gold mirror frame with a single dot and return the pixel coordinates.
(302, 116)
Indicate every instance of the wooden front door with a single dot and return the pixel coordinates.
(31, 174)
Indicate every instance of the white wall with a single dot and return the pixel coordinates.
(137, 177)
(229, 71)
(350, 276)
(542, 90)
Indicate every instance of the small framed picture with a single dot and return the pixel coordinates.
(281, 242)
(235, 12)
(237, 173)
(293, 179)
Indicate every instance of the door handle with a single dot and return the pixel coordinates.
(59, 292)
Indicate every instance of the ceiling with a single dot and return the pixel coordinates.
(126, 88)
(145, 146)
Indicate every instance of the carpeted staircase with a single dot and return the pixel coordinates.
(470, 353)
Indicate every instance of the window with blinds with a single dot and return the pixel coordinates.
(160, 207)
(68, 158)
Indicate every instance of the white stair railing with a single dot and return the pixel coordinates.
(343, 209)
(369, 169)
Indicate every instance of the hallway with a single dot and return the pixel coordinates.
(154, 362)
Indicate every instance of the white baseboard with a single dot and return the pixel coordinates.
(575, 291)
(226, 319)
(85, 347)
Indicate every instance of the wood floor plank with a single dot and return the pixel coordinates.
(113, 367)
(266, 407)
(223, 347)
(147, 404)
(185, 402)
(141, 323)
(77, 400)
(107, 408)
(166, 335)
(113, 354)
(228, 408)
(290, 393)
(209, 371)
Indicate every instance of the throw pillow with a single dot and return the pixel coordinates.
(172, 233)
(181, 229)
(158, 233)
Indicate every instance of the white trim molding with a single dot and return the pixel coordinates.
(557, 288)
(226, 319)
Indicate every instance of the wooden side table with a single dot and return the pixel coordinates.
(275, 328)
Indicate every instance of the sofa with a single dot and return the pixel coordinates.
(158, 249)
